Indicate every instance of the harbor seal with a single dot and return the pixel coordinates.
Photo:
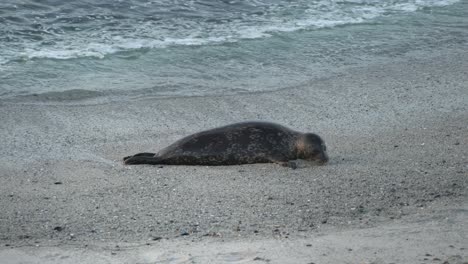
(240, 143)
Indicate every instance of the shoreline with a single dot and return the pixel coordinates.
(80, 96)
(397, 140)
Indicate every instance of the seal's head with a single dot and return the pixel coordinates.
(312, 148)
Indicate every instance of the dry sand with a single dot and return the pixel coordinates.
(395, 190)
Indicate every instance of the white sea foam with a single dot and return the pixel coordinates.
(100, 50)
(150, 35)
(3, 60)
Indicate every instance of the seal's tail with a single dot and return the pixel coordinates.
(142, 158)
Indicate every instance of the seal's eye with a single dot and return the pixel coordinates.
(324, 148)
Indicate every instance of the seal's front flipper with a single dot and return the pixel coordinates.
(290, 164)
(142, 160)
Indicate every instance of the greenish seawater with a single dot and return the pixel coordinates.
(209, 52)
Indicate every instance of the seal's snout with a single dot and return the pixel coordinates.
(311, 147)
(323, 159)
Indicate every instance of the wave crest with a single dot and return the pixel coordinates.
(89, 35)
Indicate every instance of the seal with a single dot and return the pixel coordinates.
(239, 143)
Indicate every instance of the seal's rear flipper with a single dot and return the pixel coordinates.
(142, 160)
(144, 154)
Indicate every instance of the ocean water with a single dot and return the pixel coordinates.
(125, 49)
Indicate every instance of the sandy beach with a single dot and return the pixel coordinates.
(394, 191)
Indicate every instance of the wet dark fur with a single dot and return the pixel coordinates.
(241, 143)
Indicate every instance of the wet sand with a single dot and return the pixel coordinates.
(396, 132)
